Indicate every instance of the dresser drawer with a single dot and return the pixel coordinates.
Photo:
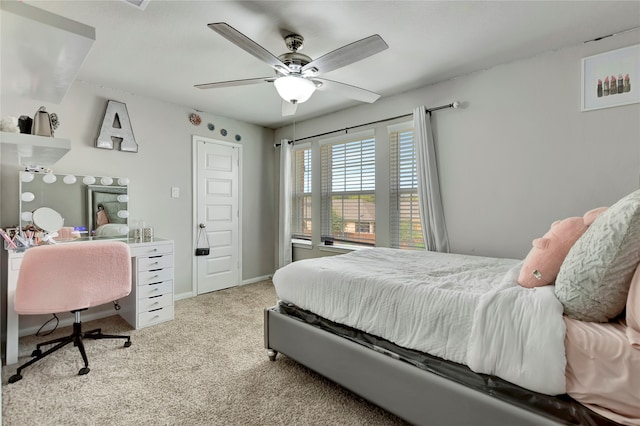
(155, 302)
(158, 289)
(150, 277)
(160, 248)
(155, 262)
(156, 316)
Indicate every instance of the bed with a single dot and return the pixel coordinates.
(454, 339)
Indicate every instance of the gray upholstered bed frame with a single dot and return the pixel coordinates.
(416, 395)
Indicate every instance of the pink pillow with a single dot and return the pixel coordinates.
(543, 262)
(633, 310)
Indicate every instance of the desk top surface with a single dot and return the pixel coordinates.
(130, 241)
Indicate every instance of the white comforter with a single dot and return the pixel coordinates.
(466, 309)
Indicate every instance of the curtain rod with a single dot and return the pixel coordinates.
(455, 104)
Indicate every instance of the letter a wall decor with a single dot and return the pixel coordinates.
(116, 128)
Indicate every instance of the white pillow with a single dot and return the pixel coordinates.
(594, 279)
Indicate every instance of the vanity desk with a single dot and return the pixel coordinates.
(150, 301)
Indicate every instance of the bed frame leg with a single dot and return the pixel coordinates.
(272, 354)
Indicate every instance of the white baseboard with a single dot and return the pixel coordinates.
(185, 295)
(256, 279)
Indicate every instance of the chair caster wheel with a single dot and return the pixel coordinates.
(15, 378)
(127, 344)
(36, 352)
(84, 371)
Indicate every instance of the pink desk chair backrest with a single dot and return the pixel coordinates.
(72, 276)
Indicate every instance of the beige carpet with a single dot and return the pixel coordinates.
(206, 367)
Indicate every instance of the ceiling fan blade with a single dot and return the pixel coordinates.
(348, 54)
(232, 83)
(288, 108)
(244, 42)
(347, 90)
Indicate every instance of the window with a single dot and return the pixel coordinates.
(301, 194)
(406, 231)
(348, 190)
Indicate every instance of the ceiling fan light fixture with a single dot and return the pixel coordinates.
(294, 89)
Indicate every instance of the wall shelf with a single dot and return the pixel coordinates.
(31, 150)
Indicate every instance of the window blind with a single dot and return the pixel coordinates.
(348, 190)
(301, 221)
(406, 230)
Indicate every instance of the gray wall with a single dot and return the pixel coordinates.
(520, 153)
(164, 136)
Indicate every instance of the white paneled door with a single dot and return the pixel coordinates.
(218, 210)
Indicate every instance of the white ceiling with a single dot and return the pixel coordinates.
(165, 49)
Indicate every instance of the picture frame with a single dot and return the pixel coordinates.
(622, 66)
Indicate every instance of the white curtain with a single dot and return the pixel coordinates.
(284, 236)
(434, 230)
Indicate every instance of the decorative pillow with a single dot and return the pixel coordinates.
(543, 262)
(633, 310)
(594, 279)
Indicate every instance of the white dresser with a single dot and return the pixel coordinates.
(150, 301)
(151, 298)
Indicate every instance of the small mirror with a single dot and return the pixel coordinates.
(47, 219)
(108, 210)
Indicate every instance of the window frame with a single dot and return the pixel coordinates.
(367, 180)
(401, 160)
(306, 183)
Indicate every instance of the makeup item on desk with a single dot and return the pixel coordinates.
(626, 87)
(21, 240)
(147, 233)
(620, 84)
(8, 240)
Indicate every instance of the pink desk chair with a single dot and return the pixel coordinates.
(72, 277)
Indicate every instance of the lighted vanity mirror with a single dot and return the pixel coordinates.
(76, 199)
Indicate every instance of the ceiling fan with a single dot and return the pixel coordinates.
(296, 76)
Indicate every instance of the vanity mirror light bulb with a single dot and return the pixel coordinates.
(27, 197)
(123, 198)
(106, 181)
(49, 178)
(123, 181)
(88, 180)
(27, 216)
(27, 177)
(69, 179)
(123, 214)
